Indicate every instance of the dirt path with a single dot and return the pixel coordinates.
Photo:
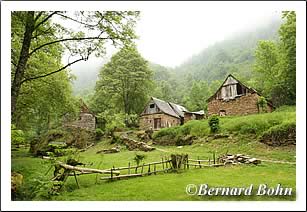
(277, 161)
(162, 150)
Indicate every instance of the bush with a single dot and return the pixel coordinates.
(132, 120)
(139, 158)
(214, 124)
(99, 133)
(282, 134)
(262, 103)
(17, 136)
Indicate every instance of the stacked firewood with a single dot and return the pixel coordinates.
(238, 159)
(134, 145)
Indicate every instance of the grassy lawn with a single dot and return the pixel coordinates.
(170, 186)
(243, 137)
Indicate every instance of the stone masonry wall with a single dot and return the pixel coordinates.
(147, 121)
(239, 106)
(86, 121)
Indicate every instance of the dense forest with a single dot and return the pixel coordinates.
(44, 89)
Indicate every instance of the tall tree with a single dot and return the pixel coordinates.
(39, 34)
(275, 65)
(124, 83)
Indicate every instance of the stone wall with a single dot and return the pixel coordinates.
(86, 121)
(243, 105)
(147, 121)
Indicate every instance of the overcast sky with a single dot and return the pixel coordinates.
(171, 37)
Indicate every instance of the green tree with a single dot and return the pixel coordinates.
(196, 99)
(124, 83)
(37, 33)
(275, 65)
(267, 65)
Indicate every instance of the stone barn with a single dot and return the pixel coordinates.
(86, 119)
(235, 98)
(160, 114)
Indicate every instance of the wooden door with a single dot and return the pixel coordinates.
(157, 123)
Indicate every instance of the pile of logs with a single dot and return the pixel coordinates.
(136, 145)
(238, 159)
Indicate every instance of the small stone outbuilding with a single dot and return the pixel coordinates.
(235, 98)
(86, 119)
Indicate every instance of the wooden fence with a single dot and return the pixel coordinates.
(164, 165)
(172, 163)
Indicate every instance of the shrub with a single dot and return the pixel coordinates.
(132, 120)
(99, 133)
(262, 103)
(214, 124)
(282, 134)
(17, 136)
(139, 158)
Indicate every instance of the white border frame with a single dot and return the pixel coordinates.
(7, 204)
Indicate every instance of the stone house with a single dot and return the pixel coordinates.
(86, 119)
(161, 114)
(235, 98)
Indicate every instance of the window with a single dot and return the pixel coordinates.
(239, 89)
(152, 105)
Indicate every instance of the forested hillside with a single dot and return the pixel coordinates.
(233, 55)
(195, 80)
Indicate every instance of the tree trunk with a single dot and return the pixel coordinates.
(22, 62)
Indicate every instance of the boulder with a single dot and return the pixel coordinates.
(16, 182)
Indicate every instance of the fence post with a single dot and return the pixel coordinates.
(155, 169)
(142, 168)
(198, 162)
(162, 163)
(188, 162)
(214, 157)
(111, 173)
(209, 161)
(129, 168)
(149, 169)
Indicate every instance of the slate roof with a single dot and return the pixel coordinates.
(170, 108)
(201, 112)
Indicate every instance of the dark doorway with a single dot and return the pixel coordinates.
(157, 123)
(222, 113)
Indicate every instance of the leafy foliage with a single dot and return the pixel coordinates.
(124, 82)
(262, 103)
(17, 136)
(139, 158)
(214, 123)
(275, 65)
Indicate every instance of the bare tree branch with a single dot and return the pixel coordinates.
(80, 22)
(69, 39)
(46, 19)
(53, 72)
(38, 16)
